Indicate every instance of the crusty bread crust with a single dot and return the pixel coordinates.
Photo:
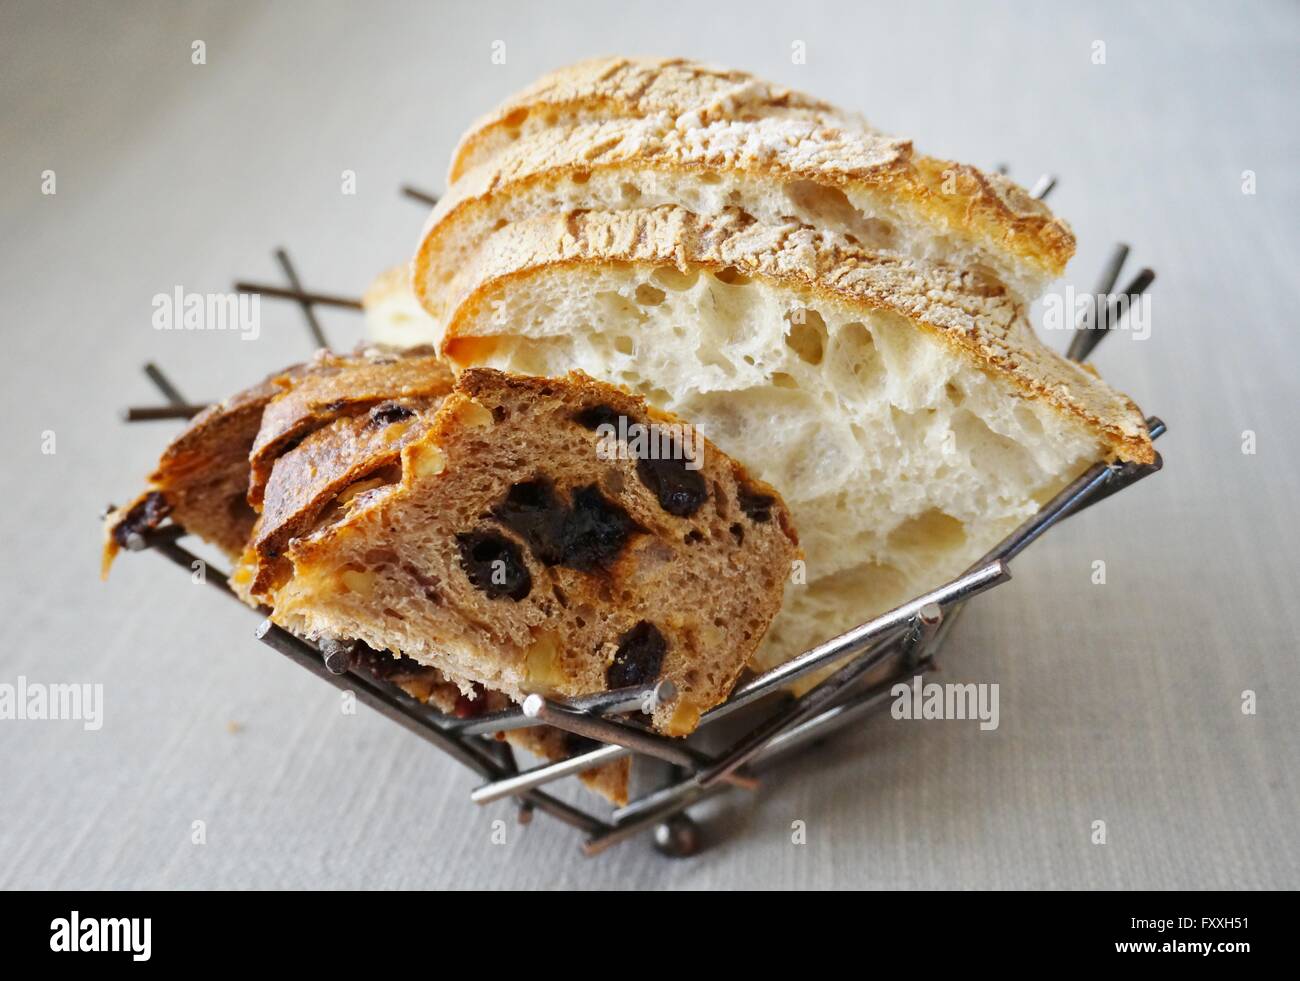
(611, 88)
(986, 212)
(679, 118)
(342, 386)
(964, 310)
(201, 481)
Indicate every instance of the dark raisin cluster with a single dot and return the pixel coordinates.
(639, 657)
(494, 564)
(586, 534)
(756, 505)
(387, 413)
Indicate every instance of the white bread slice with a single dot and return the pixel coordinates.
(871, 189)
(615, 88)
(513, 550)
(906, 412)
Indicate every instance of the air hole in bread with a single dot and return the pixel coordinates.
(821, 205)
(954, 394)
(617, 306)
(515, 119)
(932, 531)
(649, 296)
(630, 192)
(672, 278)
(807, 334)
(783, 379)
(624, 345)
(580, 176)
(731, 276)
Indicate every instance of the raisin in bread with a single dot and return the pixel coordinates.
(525, 547)
(905, 410)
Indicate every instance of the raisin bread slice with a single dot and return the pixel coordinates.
(318, 480)
(203, 479)
(552, 535)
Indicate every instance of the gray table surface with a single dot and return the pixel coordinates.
(1119, 702)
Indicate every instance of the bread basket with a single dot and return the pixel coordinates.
(851, 675)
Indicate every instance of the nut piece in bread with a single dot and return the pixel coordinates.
(553, 535)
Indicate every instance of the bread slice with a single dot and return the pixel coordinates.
(393, 315)
(535, 541)
(633, 88)
(869, 188)
(905, 411)
(340, 389)
(201, 480)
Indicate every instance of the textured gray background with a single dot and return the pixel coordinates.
(1119, 702)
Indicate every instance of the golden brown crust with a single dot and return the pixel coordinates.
(201, 480)
(973, 316)
(633, 87)
(327, 469)
(343, 386)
